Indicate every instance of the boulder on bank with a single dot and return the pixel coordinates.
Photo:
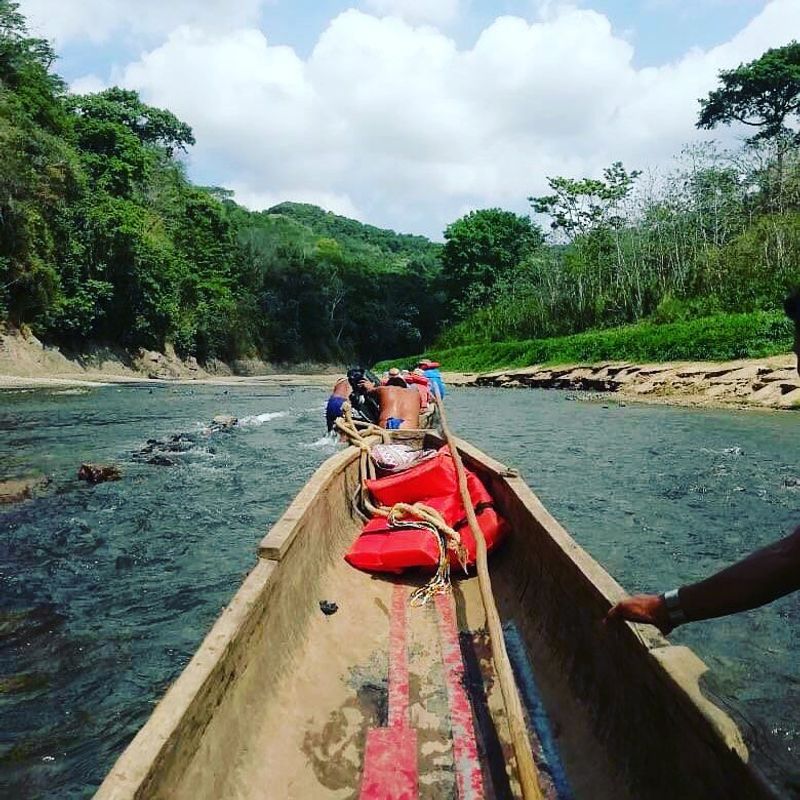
(251, 367)
(19, 489)
(99, 473)
(167, 365)
(217, 368)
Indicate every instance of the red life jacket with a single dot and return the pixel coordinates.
(381, 548)
(422, 385)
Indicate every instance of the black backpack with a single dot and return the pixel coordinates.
(365, 406)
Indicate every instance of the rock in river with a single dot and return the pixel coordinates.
(99, 473)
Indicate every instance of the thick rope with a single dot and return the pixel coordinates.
(526, 768)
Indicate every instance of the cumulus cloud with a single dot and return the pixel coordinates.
(99, 20)
(403, 128)
(436, 12)
(87, 84)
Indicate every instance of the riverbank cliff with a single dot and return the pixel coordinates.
(26, 362)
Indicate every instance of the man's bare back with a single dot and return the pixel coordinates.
(397, 403)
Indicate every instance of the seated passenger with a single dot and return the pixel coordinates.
(364, 406)
(422, 384)
(399, 405)
(394, 372)
(431, 371)
(339, 396)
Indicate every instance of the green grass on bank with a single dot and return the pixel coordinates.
(719, 338)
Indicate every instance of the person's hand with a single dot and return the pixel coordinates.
(647, 608)
(366, 385)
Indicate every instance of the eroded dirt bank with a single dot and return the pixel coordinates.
(755, 383)
(26, 362)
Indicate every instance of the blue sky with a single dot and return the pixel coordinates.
(661, 30)
(408, 113)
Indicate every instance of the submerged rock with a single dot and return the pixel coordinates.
(161, 461)
(223, 422)
(98, 473)
(19, 489)
(23, 682)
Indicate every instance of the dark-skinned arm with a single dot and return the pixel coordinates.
(760, 578)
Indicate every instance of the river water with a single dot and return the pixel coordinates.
(106, 591)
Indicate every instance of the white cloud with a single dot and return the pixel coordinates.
(436, 12)
(402, 128)
(548, 9)
(99, 20)
(88, 84)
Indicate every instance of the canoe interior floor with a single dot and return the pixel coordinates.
(317, 730)
(312, 729)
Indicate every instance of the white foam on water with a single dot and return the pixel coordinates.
(734, 451)
(260, 419)
(327, 442)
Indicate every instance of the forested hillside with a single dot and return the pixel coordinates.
(103, 239)
(387, 250)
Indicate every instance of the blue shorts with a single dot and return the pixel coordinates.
(334, 409)
(393, 423)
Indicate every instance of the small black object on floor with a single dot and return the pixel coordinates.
(328, 608)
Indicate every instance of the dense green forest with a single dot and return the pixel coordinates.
(104, 240)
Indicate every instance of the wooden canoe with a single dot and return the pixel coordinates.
(384, 700)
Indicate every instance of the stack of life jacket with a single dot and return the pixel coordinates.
(422, 385)
(385, 548)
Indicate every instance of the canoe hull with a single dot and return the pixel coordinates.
(279, 699)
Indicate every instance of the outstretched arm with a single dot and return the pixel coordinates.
(760, 578)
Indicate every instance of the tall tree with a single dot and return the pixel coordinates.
(578, 207)
(483, 246)
(763, 94)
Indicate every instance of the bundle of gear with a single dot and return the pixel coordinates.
(415, 517)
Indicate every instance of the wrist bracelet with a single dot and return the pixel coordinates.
(675, 612)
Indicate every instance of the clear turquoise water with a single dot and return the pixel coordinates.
(106, 591)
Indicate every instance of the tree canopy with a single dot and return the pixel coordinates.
(117, 107)
(580, 206)
(483, 246)
(764, 94)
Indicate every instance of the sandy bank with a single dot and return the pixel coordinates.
(748, 383)
(26, 363)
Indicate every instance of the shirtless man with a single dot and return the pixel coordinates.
(399, 404)
(340, 394)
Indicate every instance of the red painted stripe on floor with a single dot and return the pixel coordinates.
(398, 660)
(390, 754)
(469, 780)
(390, 765)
